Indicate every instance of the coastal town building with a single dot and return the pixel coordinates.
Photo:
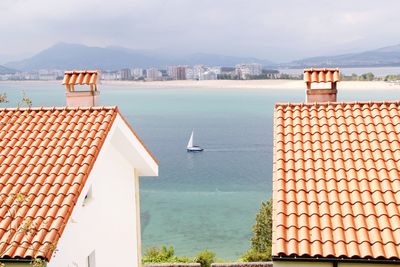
(49, 75)
(209, 75)
(180, 73)
(125, 74)
(172, 71)
(137, 73)
(110, 75)
(215, 69)
(336, 179)
(202, 72)
(189, 73)
(177, 72)
(245, 71)
(153, 74)
(198, 71)
(69, 181)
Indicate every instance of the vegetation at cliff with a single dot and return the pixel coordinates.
(166, 254)
(369, 76)
(260, 250)
(261, 242)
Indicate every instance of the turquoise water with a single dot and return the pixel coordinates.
(203, 200)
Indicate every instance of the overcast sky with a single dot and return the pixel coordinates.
(279, 30)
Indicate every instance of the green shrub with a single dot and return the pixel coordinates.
(205, 258)
(162, 255)
(253, 256)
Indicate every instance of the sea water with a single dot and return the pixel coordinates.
(204, 200)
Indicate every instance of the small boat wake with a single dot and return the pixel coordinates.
(243, 149)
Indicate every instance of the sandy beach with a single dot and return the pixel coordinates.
(249, 84)
(227, 84)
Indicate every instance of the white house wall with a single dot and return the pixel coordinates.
(108, 223)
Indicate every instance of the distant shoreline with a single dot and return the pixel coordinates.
(229, 84)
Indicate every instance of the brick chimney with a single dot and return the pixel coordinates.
(81, 98)
(321, 84)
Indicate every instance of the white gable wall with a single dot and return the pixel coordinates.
(109, 223)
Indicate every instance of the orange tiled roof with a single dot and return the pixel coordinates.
(337, 180)
(46, 155)
(80, 77)
(321, 75)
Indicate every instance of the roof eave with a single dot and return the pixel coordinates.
(147, 165)
(335, 259)
(18, 260)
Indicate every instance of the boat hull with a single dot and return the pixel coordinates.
(194, 149)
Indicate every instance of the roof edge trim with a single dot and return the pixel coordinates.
(138, 138)
(318, 104)
(335, 259)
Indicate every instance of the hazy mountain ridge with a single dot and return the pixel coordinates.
(385, 56)
(5, 70)
(75, 56)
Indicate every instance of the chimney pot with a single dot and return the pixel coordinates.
(315, 78)
(329, 77)
(321, 76)
(336, 77)
(81, 98)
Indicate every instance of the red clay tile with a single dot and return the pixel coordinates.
(38, 159)
(80, 77)
(321, 75)
(337, 178)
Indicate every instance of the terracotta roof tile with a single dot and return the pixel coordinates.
(321, 75)
(80, 77)
(337, 180)
(45, 158)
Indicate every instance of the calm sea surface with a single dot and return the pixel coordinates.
(205, 200)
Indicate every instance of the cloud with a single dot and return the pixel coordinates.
(277, 30)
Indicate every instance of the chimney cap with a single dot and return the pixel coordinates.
(80, 77)
(321, 75)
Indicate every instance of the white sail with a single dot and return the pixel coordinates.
(190, 143)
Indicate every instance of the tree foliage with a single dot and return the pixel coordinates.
(166, 254)
(162, 255)
(3, 98)
(392, 77)
(369, 76)
(261, 242)
(205, 258)
(262, 230)
(254, 256)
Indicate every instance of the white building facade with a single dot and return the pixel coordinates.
(104, 228)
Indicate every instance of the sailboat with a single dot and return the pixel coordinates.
(191, 147)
